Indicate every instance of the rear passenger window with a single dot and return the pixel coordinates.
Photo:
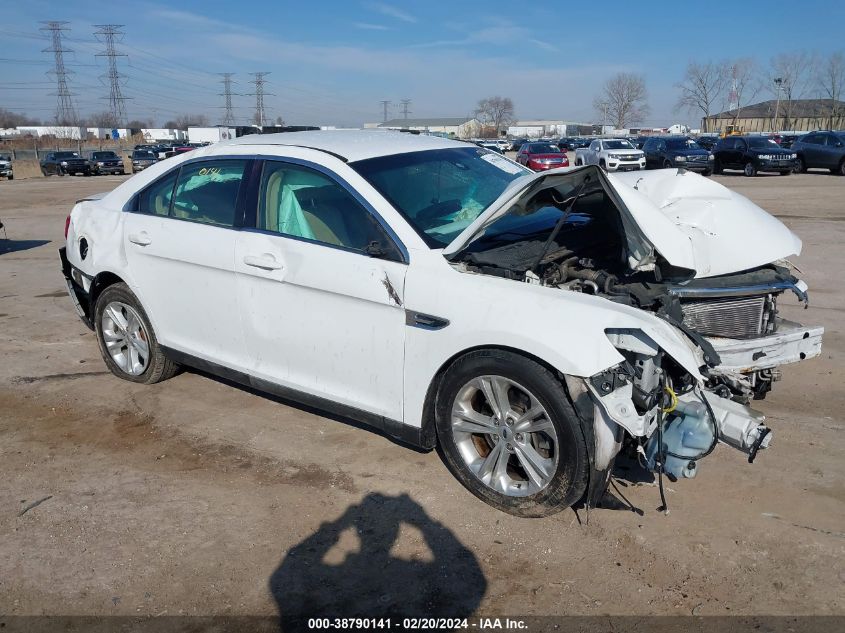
(155, 199)
(207, 192)
(303, 203)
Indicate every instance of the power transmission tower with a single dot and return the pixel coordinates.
(259, 95)
(229, 117)
(385, 104)
(109, 34)
(65, 112)
(406, 103)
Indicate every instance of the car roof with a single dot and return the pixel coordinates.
(350, 145)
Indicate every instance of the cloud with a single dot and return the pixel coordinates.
(391, 11)
(368, 26)
(501, 32)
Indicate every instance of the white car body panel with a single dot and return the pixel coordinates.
(323, 322)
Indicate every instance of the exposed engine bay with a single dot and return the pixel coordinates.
(569, 233)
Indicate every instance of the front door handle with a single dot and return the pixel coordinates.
(141, 239)
(265, 262)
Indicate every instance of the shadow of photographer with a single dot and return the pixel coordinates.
(316, 579)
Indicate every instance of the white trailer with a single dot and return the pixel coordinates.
(210, 134)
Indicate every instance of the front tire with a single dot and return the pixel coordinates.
(126, 338)
(841, 170)
(750, 170)
(603, 165)
(507, 431)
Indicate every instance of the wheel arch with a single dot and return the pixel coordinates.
(428, 432)
(102, 280)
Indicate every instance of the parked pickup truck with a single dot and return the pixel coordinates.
(611, 154)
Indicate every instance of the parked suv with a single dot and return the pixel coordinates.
(61, 163)
(542, 156)
(677, 151)
(752, 154)
(106, 162)
(821, 149)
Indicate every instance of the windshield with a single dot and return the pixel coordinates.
(681, 143)
(67, 155)
(143, 154)
(759, 141)
(103, 155)
(5, 157)
(543, 148)
(617, 145)
(440, 192)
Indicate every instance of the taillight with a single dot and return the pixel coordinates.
(67, 226)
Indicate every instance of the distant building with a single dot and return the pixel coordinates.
(550, 128)
(458, 127)
(799, 115)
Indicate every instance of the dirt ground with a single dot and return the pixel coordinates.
(198, 497)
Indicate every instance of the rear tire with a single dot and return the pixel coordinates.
(841, 170)
(785, 173)
(523, 464)
(717, 167)
(126, 338)
(667, 164)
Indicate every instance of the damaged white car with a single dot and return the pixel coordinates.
(529, 325)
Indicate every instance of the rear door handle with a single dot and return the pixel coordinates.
(265, 262)
(141, 239)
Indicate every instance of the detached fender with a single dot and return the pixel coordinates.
(564, 329)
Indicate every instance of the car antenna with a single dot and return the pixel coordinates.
(559, 224)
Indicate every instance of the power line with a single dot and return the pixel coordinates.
(65, 112)
(259, 95)
(384, 104)
(109, 34)
(229, 117)
(406, 103)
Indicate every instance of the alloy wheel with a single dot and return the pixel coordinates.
(504, 435)
(125, 337)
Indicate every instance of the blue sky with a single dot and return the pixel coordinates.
(332, 62)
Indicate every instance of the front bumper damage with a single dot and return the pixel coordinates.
(671, 424)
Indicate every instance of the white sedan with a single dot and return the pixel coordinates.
(529, 325)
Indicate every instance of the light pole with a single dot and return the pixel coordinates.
(604, 106)
(778, 83)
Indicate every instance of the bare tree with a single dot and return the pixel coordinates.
(743, 84)
(702, 87)
(139, 124)
(830, 79)
(789, 79)
(623, 98)
(184, 121)
(13, 119)
(494, 113)
(101, 119)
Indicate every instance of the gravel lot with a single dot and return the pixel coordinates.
(198, 497)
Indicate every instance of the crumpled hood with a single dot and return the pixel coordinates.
(692, 221)
(723, 231)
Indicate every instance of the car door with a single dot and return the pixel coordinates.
(320, 286)
(180, 242)
(831, 151)
(811, 150)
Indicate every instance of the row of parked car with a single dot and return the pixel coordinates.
(95, 163)
(707, 154)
